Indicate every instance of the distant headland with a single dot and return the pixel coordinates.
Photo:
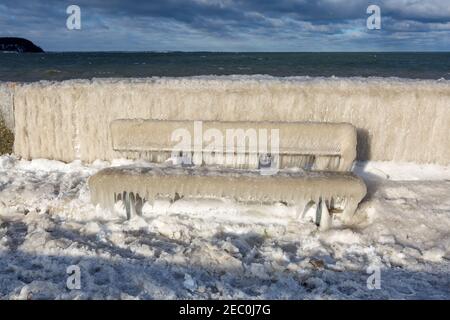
(18, 45)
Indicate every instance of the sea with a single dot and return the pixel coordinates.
(29, 67)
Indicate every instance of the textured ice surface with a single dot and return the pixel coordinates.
(396, 119)
(322, 146)
(338, 190)
(48, 223)
(6, 104)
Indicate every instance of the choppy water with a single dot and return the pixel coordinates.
(61, 66)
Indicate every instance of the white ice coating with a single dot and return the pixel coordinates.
(6, 104)
(309, 145)
(337, 190)
(401, 120)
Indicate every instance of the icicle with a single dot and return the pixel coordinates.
(325, 217)
(296, 188)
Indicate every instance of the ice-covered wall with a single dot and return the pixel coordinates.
(6, 104)
(402, 120)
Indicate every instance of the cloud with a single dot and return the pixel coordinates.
(230, 25)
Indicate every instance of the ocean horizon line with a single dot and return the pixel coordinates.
(254, 52)
(134, 64)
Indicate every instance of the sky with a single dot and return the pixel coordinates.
(230, 25)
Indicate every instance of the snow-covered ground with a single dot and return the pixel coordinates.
(218, 249)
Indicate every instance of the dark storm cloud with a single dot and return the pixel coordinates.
(285, 25)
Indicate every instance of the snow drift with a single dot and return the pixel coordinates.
(401, 120)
